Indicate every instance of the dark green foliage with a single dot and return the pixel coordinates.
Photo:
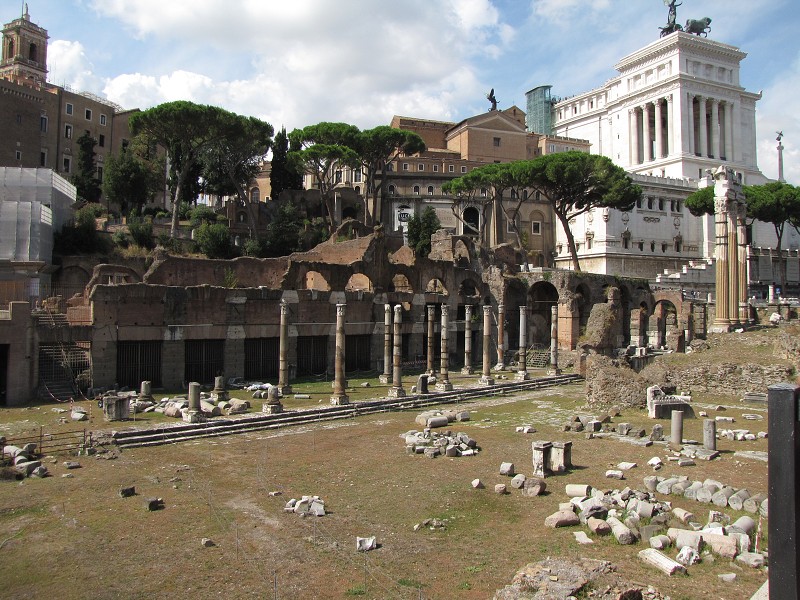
(79, 237)
(282, 176)
(142, 233)
(132, 177)
(420, 230)
(701, 202)
(214, 240)
(202, 214)
(85, 177)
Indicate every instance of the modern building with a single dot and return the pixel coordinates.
(675, 111)
(42, 122)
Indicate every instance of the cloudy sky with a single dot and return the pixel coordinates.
(298, 62)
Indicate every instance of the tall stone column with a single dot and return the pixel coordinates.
(659, 131)
(467, 369)
(284, 387)
(443, 384)
(690, 146)
(715, 151)
(727, 194)
(339, 382)
(728, 123)
(397, 391)
(501, 332)
(703, 125)
(733, 262)
(431, 346)
(486, 371)
(554, 369)
(648, 143)
(634, 134)
(670, 126)
(522, 372)
(193, 414)
(742, 264)
(386, 376)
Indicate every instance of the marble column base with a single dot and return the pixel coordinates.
(385, 379)
(467, 371)
(444, 386)
(340, 400)
(193, 416)
(272, 409)
(554, 371)
(522, 376)
(285, 390)
(397, 392)
(486, 380)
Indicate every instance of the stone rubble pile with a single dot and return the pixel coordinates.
(23, 460)
(176, 406)
(741, 435)
(440, 418)
(306, 506)
(433, 444)
(632, 515)
(433, 524)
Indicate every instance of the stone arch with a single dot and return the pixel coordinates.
(400, 283)
(469, 291)
(664, 322)
(435, 286)
(542, 296)
(472, 221)
(350, 212)
(358, 282)
(314, 280)
(516, 295)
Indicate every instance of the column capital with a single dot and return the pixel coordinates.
(387, 309)
(398, 312)
(445, 310)
(487, 310)
(340, 309)
(431, 311)
(467, 311)
(668, 98)
(284, 308)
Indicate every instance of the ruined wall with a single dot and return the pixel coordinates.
(17, 333)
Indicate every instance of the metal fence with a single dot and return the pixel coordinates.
(60, 442)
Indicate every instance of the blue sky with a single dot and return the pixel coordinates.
(362, 61)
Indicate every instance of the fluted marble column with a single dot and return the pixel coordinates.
(703, 124)
(284, 387)
(648, 144)
(741, 224)
(522, 371)
(386, 376)
(486, 372)
(690, 147)
(443, 383)
(659, 133)
(728, 129)
(397, 391)
(467, 369)
(339, 382)
(501, 331)
(670, 126)
(634, 135)
(431, 346)
(715, 151)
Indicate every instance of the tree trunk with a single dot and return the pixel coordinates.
(570, 241)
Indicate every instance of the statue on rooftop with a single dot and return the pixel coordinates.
(672, 25)
(491, 98)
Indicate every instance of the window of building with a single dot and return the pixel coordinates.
(663, 247)
(68, 131)
(626, 241)
(420, 167)
(43, 158)
(390, 168)
(552, 148)
(652, 246)
(255, 195)
(88, 114)
(416, 190)
(435, 168)
(100, 173)
(68, 108)
(512, 225)
(536, 227)
(67, 164)
(639, 203)
(463, 169)
(650, 203)
(678, 245)
(483, 192)
(589, 243)
(405, 166)
(451, 168)
(496, 142)
(678, 206)
(430, 190)
(101, 140)
(357, 176)
(391, 190)
(660, 204)
(514, 194)
(18, 154)
(43, 124)
(103, 120)
(524, 194)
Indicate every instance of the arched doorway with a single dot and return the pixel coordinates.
(543, 296)
(472, 221)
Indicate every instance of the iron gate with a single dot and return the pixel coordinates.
(137, 362)
(312, 354)
(205, 359)
(261, 358)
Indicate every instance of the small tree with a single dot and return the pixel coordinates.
(85, 177)
(282, 176)
(420, 230)
(214, 240)
(132, 177)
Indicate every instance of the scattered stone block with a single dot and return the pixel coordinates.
(207, 543)
(660, 561)
(753, 503)
(152, 504)
(507, 468)
(751, 559)
(365, 544)
(687, 556)
(621, 532)
(533, 487)
(562, 518)
(727, 577)
(127, 492)
(684, 516)
(598, 526)
(615, 474)
(500, 488)
(71, 464)
(626, 466)
(518, 481)
(477, 484)
(660, 542)
(582, 538)
(575, 490)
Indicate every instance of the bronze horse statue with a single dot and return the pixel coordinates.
(698, 26)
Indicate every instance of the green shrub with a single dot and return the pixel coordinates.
(202, 214)
(214, 240)
(120, 239)
(142, 233)
(79, 237)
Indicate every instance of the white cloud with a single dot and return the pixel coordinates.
(779, 110)
(69, 65)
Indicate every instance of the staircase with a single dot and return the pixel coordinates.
(697, 274)
(65, 367)
(538, 356)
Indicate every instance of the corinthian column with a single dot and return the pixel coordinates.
(728, 130)
(486, 371)
(386, 377)
(744, 280)
(339, 381)
(397, 391)
(431, 345)
(501, 328)
(690, 146)
(634, 135)
(283, 360)
(670, 126)
(443, 384)
(467, 370)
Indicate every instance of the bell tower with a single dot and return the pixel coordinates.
(24, 58)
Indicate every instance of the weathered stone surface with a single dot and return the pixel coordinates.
(684, 516)
(562, 518)
(365, 544)
(615, 474)
(753, 503)
(582, 538)
(477, 484)
(533, 487)
(621, 532)
(660, 542)
(722, 496)
(507, 468)
(127, 492)
(687, 556)
(152, 504)
(598, 526)
(518, 481)
(207, 543)
(751, 559)
(660, 561)
(574, 490)
(500, 488)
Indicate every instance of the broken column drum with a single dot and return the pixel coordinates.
(486, 371)
(444, 385)
(339, 382)
(522, 371)
(501, 331)
(386, 377)
(467, 369)
(397, 391)
(283, 371)
(194, 396)
(710, 434)
(431, 331)
(145, 391)
(676, 433)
